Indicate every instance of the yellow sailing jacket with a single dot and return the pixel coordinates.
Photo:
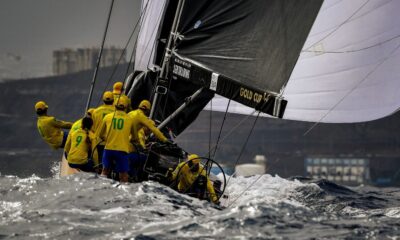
(140, 120)
(186, 179)
(116, 131)
(98, 115)
(76, 126)
(50, 130)
(78, 145)
(95, 140)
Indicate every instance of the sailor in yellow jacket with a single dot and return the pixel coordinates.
(50, 128)
(140, 120)
(97, 116)
(136, 158)
(78, 124)
(78, 148)
(100, 112)
(116, 130)
(142, 111)
(95, 140)
(188, 175)
(118, 88)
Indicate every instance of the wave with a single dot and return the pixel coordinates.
(87, 206)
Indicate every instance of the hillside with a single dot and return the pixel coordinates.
(283, 142)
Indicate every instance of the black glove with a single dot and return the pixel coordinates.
(169, 173)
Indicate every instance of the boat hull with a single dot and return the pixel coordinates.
(65, 169)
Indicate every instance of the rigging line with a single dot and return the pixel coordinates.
(244, 145)
(113, 117)
(99, 58)
(241, 194)
(222, 126)
(209, 132)
(123, 52)
(339, 26)
(234, 128)
(130, 63)
(353, 89)
(356, 50)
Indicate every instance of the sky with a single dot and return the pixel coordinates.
(31, 29)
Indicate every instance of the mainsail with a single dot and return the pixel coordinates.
(347, 70)
(242, 50)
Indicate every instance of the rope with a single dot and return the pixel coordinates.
(99, 58)
(220, 129)
(237, 125)
(244, 145)
(123, 52)
(209, 132)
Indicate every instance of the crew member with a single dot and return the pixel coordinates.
(79, 147)
(100, 112)
(78, 124)
(192, 178)
(142, 128)
(116, 130)
(118, 88)
(142, 112)
(50, 128)
(98, 115)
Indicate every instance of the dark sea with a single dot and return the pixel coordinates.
(84, 206)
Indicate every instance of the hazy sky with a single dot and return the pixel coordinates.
(31, 29)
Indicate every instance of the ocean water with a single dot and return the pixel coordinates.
(84, 206)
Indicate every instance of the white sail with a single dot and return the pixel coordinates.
(152, 15)
(348, 69)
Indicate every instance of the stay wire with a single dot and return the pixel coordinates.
(210, 130)
(123, 51)
(222, 126)
(244, 145)
(129, 63)
(99, 58)
(234, 128)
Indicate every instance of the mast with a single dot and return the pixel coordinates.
(160, 89)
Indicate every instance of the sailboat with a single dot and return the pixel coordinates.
(326, 61)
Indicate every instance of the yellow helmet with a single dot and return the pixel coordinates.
(41, 105)
(145, 104)
(122, 102)
(194, 158)
(108, 96)
(117, 88)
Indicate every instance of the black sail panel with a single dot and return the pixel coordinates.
(253, 42)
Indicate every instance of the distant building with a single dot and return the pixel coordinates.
(344, 170)
(69, 60)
